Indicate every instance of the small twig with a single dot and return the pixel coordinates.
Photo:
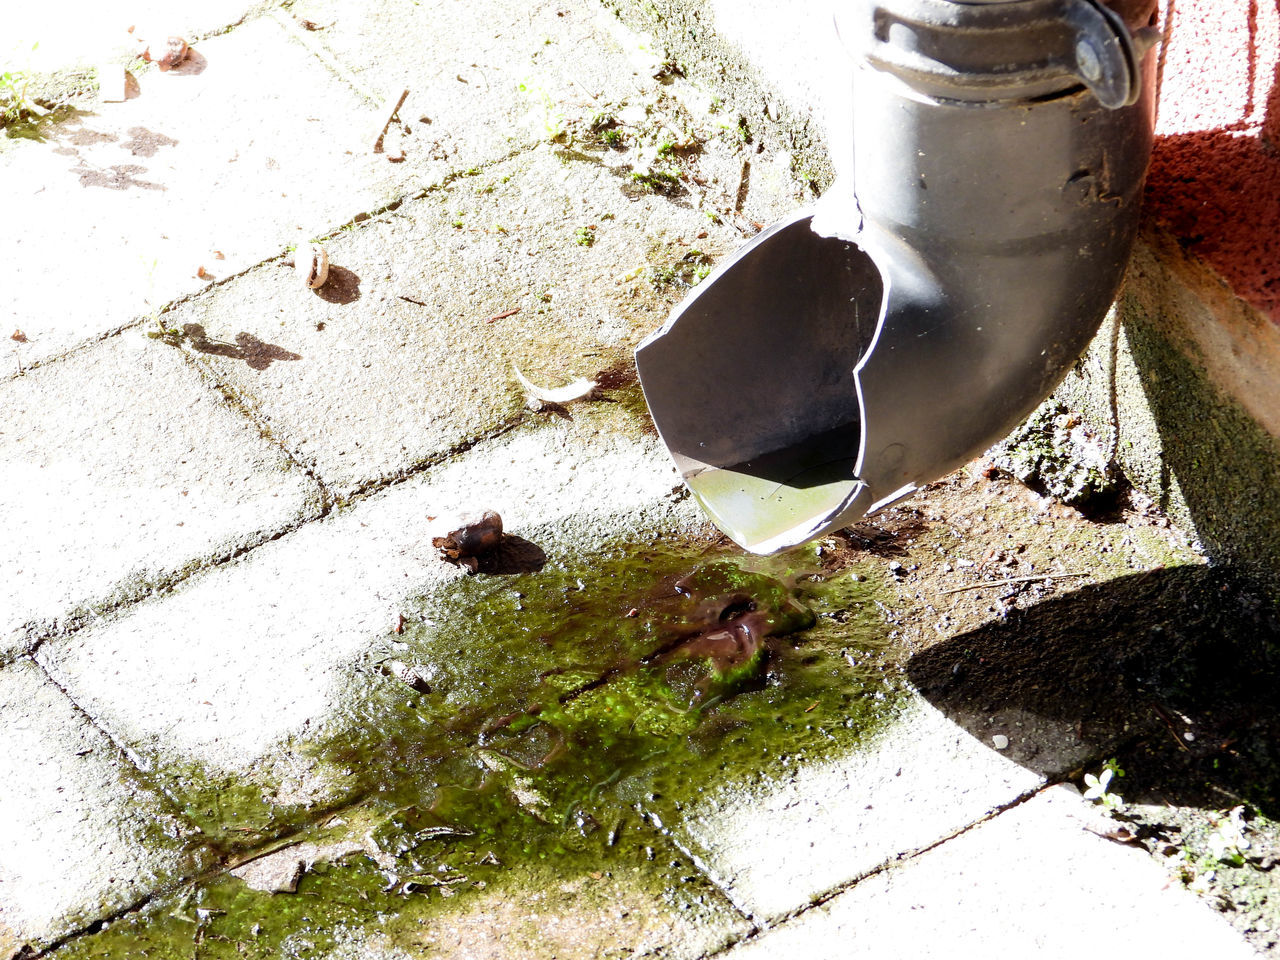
(1005, 583)
(410, 300)
(1169, 723)
(744, 181)
(377, 144)
(502, 316)
(574, 81)
(1226, 793)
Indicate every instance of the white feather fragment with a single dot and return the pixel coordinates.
(580, 389)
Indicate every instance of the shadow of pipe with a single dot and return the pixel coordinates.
(1129, 667)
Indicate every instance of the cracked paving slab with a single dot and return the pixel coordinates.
(81, 835)
(121, 469)
(1033, 881)
(407, 351)
(221, 684)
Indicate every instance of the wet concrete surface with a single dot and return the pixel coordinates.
(259, 713)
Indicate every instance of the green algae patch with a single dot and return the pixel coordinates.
(567, 697)
(577, 676)
(539, 731)
(439, 895)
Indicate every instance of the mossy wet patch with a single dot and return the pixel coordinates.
(424, 899)
(567, 683)
(553, 725)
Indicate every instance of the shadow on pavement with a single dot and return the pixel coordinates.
(256, 353)
(512, 555)
(1177, 669)
(343, 286)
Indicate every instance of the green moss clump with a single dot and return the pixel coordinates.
(1050, 453)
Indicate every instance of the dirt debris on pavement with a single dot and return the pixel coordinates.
(354, 749)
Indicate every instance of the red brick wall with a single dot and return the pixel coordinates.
(1215, 172)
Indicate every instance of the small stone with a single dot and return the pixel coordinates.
(312, 265)
(167, 53)
(273, 873)
(1000, 741)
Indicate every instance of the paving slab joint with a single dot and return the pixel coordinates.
(73, 350)
(253, 13)
(78, 620)
(317, 49)
(125, 756)
(368, 489)
(760, 929)
(244, 408)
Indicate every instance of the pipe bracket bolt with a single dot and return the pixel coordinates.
(1087, 61)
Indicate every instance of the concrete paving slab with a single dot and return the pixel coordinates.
(121, 468)
(493, 78)
(1033, 881)
(238, 669)
(183, 185)
(407, 352)
(782, 68)
(47, 37)
(349, 899)
(779, 844)
(244, 149)
(563, 917)
(80, 835)
(490, 77)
